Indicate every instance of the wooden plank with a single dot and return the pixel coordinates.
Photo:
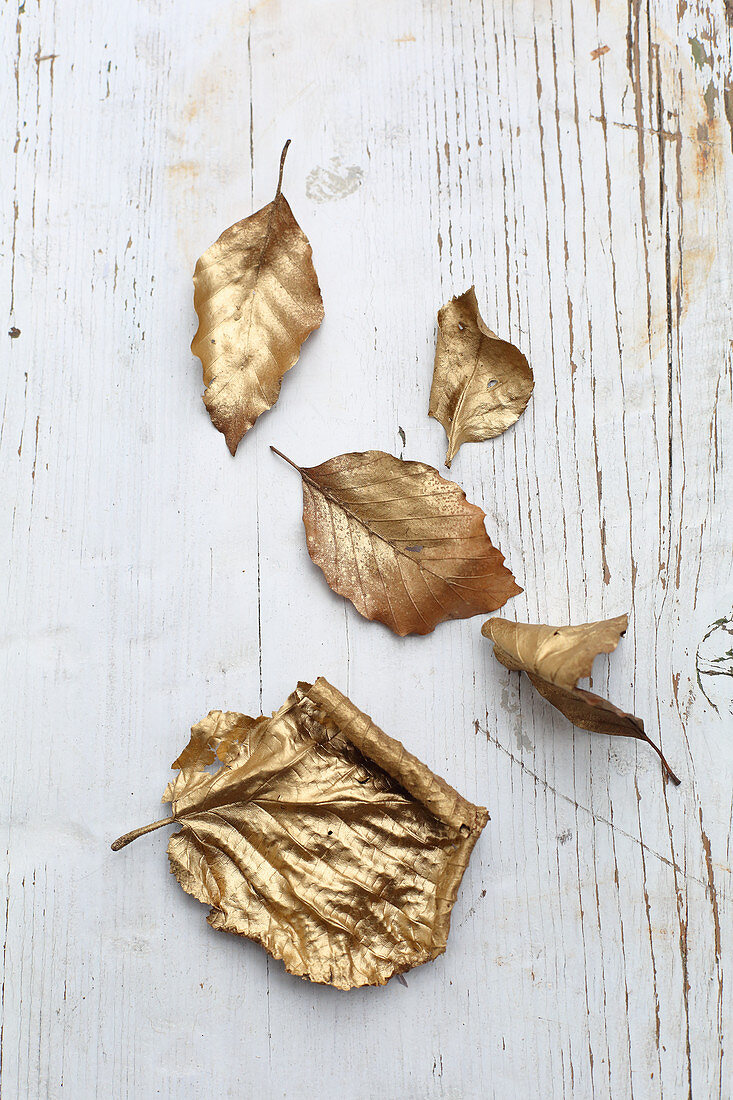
(575, 162)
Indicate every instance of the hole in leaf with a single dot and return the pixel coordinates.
(213, 767)
(461, 325)
(414, 549)
(465, 830)
(491, 384)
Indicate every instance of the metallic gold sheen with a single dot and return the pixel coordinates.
(320, 838)
(481, 384)
(257, 298)
(401, 542)
(555, 658)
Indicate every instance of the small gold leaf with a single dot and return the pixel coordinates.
(555, 658)
(257, 298)
(481, 384)
(320, 838)
(401, 542)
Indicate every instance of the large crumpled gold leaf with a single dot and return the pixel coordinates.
(401, 542)
(320, 838)
(555, 658)
(257, 299)
(481, 384)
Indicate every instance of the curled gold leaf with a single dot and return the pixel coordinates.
(481, 384)
(555, 658)
(319, 837)
(400, 541)
(257, 298)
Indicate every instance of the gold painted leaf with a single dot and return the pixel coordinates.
(555, 658)
(401, 542)
(319, 837)
(257, 298)
(481, 384)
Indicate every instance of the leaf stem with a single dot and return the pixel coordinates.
(668, 771)
(122, 841)
(282, 166)
(288, 460)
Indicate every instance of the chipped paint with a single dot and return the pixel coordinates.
(335, 181)
(714, 658)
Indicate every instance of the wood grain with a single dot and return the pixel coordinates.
(575, 162)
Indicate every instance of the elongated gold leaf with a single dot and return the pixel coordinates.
(555, 658)
(401, 542)
(481, 384)
(320, 838)
(257, 298)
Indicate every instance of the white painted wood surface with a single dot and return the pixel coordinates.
(574, 160)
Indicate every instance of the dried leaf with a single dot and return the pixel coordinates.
(257, 299)
(401, 542)
(481, 384)
(320, 838)
(555, 658)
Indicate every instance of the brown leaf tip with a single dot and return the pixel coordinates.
(283, 155)
(285, 458)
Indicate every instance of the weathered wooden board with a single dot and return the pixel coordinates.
(575, 161)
